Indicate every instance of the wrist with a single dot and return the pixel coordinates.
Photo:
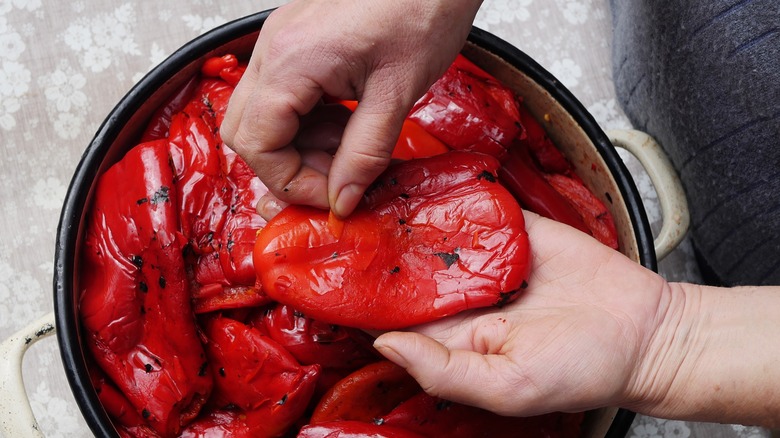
(713, 357)
(666, 350)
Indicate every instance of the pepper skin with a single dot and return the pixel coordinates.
(520, 175)
(354, 429)
(431, 238)
(366, 394)
(314, 342)
(255, 374)
(217, 194)
(134, 288)
(590, 208)
(468, 109)
(434, 417)
(413, 141)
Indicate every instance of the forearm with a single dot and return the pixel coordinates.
(715, 357)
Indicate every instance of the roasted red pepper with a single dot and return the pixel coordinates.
(227, 67)
(434, 417)
(413, 141)
(366, 394)
(354, 429)
(161, 119)
(315, 342)
(255, 374)
(217, 194)
(134, 290)
(593, 212)
(519, 174)
(431, 238)
(468, 109)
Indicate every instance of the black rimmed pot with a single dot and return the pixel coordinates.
(574, 130)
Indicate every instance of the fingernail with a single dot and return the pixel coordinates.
(390, 353)
(269, 206)
(347, 199)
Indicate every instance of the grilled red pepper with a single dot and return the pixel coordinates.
(314, 342)
(217, 193)
(413, 141)
(434, 417)
(468, 109)
(161, 119)
(354, 429)
(227, 67)
(431, 238)
(519, 174)
(366, 394)
(255, 374)
(134, 289)
(593, 212)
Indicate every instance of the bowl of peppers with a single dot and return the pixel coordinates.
(172, 301)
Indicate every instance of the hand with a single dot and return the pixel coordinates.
(384, 54)
(571, 342)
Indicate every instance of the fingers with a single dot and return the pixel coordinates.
(489, 381)
(365, 151)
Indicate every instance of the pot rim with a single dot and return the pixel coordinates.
(77, 196)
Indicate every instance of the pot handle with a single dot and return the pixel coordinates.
(674, 206)
(16, 416)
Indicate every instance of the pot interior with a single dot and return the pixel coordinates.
(567, 123)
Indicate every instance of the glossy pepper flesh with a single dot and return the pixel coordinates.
(431, 238)
(134, 288)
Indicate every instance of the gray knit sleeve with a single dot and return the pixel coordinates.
(703, 77)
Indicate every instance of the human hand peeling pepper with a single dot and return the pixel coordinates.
(295, 64)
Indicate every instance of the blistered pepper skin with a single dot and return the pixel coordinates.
(469, 110)
(435, 417)
(255, 374)
(431, 238)
(134, 287)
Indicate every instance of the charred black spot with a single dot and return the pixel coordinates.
(142, 201)
(448, 258)
(161, 195)
(143, 287)
(148, 368)
(334, 255)
(137, 261)
(222, 372)
(404, 195)
(202, 370)
(146, 414)
(395, 270)
(487, 176)
(283, 400)
(161, 282)
(401, 221)
(505, 297)
(524, 285)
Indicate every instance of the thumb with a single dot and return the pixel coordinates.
(461, 376)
